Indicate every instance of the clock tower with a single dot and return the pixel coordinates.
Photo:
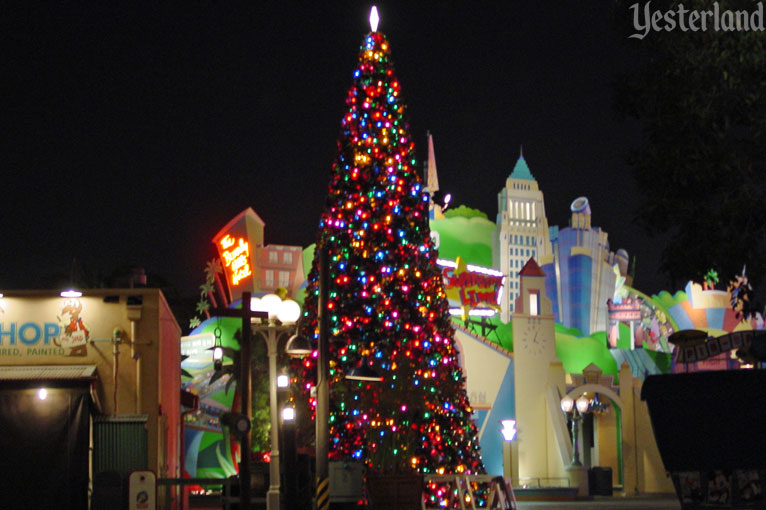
(534, 348)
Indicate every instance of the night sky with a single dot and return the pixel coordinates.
(132, 134)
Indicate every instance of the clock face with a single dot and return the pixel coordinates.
(531, 336)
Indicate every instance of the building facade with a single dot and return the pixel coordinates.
(89, 389)
(251, 266)
(534, 345)
(280, 266)
(581, 272)
(521, 232)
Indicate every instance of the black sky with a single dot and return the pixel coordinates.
(134, 132)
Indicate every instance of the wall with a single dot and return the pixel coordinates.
(489, 382)
(39, 322)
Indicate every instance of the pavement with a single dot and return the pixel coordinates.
(604, 503)
(641, 502)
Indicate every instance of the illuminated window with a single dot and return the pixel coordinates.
(284, 278)
(287, 257)
(273, 256)
(534, 303)
(269, 277)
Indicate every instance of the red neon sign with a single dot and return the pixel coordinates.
(236, 257)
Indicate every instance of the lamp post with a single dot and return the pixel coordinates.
(576, 409)
(286, 313)
(576, 472)
(509, 434)
(247, 315)
(271, 317)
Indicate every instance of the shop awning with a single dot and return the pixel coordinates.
(47, 372)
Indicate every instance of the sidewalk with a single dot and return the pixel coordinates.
(643, 502)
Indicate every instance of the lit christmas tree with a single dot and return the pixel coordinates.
(386, 303)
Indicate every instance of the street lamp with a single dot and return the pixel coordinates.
(363, 372)
(576, 409)
(283, 315)
(509, 434)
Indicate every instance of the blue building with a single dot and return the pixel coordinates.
(581, 272)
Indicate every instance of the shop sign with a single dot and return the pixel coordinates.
(194, 346)
(67, 335)
(235, 254)
(702, 350)
(627, 310)
(471, 286)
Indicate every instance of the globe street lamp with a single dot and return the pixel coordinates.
(576, 410)
(282, 316)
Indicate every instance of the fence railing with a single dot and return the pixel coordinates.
(459, 491)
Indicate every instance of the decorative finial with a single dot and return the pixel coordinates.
(374, 18)
(521, 151)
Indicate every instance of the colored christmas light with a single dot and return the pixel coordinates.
(386, 300)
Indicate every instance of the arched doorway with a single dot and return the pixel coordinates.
(601, 430)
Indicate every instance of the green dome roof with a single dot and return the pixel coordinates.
(521, 170)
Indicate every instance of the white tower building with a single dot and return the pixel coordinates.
(521, 232)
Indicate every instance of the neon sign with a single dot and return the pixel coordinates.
(236, 257)
(477, 289)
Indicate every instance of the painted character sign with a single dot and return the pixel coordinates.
(74, 334)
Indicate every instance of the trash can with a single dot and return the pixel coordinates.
(600, 481)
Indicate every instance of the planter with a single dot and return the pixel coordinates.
(394, 491)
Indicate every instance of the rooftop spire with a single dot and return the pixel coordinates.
(521, 170)
(432, 177)
(521, 151)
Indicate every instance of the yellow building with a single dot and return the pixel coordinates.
(89, 391)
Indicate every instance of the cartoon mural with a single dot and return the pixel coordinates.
(74, 334)
(209, 451)
(649, 326)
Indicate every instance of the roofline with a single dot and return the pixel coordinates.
(247, 212)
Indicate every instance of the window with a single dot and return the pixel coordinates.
(287, 257)
(534, 303)
(273, 257)
(284, 278)
(269, 277)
